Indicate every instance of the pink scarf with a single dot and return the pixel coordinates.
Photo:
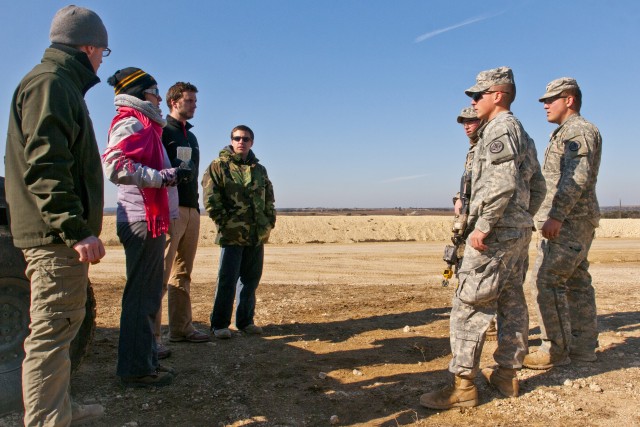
(145, 147)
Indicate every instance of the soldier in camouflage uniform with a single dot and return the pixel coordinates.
(507, 188)
(564, 295)
(239, 197)
(469, 120)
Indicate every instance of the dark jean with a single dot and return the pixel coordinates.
(137, 351)
(242, 266)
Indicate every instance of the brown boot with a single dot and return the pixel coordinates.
(504, 379)
(462, 392)
(542, 360)
(492, 332)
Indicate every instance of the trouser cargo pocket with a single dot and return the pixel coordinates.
(465, 348)
(481, 283)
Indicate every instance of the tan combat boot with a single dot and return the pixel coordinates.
(542, 360)
(582, 356)
(504, 379)
(462, 392)
(492, 332)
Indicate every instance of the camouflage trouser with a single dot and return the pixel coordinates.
(491, 284)
(564, 296)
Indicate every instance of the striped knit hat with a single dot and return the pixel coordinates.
(131, 81)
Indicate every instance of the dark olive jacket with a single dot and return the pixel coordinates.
(54, 182)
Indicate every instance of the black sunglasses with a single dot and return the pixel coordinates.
(241, 138)
(478, 95)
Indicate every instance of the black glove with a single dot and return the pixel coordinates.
(176, 162)
(184, 174)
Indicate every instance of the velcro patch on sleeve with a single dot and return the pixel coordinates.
(500, 150)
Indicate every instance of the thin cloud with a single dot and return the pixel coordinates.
(453, 27)
(405, 178)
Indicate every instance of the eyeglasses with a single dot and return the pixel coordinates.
(470, 123)
(241, 138)
(106, 52)
(153, 91)
(478, 95)
(552, 99)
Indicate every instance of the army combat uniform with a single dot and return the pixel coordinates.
(470, 114)
(238, 196)
(507, 187)
(563, 293)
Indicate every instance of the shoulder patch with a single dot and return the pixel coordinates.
(574, 146)
(496, 147)
(499, 150)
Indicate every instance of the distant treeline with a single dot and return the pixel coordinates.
(366, 211)
(620, 212)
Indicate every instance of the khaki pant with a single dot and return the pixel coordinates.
(180, 253)
(58, 297)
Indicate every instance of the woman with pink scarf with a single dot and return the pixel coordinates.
(137, 163)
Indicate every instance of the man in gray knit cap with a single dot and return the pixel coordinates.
(54, 189)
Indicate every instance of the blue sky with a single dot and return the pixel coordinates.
(354, 102)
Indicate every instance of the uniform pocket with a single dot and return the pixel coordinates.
(561, 258)
(481, 283)
(465, 348)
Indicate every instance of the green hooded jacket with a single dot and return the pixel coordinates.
(239, 197)
(54, 182)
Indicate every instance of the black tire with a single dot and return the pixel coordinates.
(14, 327)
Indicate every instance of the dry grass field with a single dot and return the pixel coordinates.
(356, 327)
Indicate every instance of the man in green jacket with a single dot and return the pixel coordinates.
(239, 197)
(54, 190)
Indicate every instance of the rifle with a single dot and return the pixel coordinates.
(453, 253)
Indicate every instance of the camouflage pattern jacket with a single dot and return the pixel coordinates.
(571, 164)
(239, 197)
(507, 186)
(468, 164)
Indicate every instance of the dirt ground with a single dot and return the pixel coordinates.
(354, 333)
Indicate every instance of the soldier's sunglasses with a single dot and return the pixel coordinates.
(478, 95)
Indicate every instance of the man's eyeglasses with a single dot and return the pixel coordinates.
(106, 52)
(478, 95)
(153, 91)
(241, 138)
(470, 123)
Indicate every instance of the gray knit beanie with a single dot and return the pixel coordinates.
(78, 26)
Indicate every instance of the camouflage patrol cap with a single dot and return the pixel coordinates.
(467, 113)
(557, 86)
(493, 77)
